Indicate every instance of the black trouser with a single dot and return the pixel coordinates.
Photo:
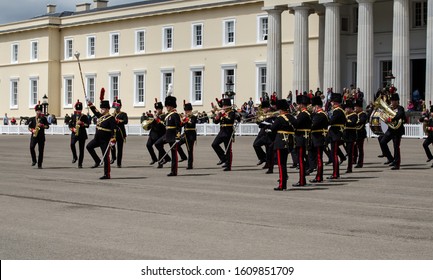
(350, 147)
(358, 156)
(119, 143)
(270, 156)
(396, 140)
(425, 145)
(150, 142)
(224, 157)
(335, 164)
(282, 167)
(318, 152)
(103, 143)
(174, 157)
(257, 145)
(81, 144)
(189, 143)
(302, 154)
(40, 141)
(159, 145)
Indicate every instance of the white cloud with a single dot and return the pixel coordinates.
(18, 10)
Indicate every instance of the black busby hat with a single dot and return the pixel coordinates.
(170, 101)
(117, 103)
(336, 97)
(158, 105)
(38, 107)
(105, 104)
(187, 106)
(305, 100)
(317, 101)
(358, 103)
(348, 104)
(78, 105)
(227, 102)
(394, 97)
(265, 104)
(282, 104)
(299, 99)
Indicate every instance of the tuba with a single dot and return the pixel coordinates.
(146, 123)
(385, 112)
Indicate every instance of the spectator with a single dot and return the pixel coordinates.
(50, 119)
(67, 119)
(359, 95)
(54, 120)
(95, 120)
(5, 119)
(410, 106)
(143, 118)
(13, 121)
(251, 102)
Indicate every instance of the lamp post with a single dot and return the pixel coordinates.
(45, 104)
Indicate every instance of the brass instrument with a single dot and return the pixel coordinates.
(385, 112)
(37, 128)
(146, 123)
(77, 126)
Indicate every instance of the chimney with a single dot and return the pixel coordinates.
(82, 7)
(100, 4)
(51, 9)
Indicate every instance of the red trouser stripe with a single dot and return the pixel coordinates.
(280, 184)
(319, 176)
(301, 166)
(335, 161)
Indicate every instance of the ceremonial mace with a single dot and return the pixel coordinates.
(77, 56)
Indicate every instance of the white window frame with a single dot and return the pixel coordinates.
(413, 14)
(137, 74)
(259, 91)
(194, 36)
(113, 44)
(91, 88)
(34, 50)
(33, 94)
(113, 89)
(165, 39)
(69, 48)
(14, 52)
(224, 69)
(138, 42)
(260, 31)
(14, 93)
(226, 32)
(68, 91)
(164, 83)
(194, 70)
(91, 50)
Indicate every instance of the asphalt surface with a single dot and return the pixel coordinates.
(61, 212)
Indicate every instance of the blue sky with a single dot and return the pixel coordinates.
(17, 10)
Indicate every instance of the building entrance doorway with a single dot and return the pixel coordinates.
(418, 77)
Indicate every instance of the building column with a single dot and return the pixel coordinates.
(300, 49)
(365, 49)
(429, 55)
(331, 67)
(400, 49)
(321, 54)
(274, 56)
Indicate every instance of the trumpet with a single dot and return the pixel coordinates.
(146, 123)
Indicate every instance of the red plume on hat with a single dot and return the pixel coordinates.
(156, 100)
(101, 94)
(184, 102)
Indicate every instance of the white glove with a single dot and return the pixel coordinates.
(266, 123)
(268, 130)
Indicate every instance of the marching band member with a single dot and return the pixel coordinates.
(282, 131)
(319, 129)
(226, 118)
(172, 133)
(263, 139)
(105, 134)
(157, 130)
(349, 133)
(121, 119)
(37, 126)
(337, 123)
(189, 135)
(429, 130)
(394, 134)
(361, 134)
(78, 124)
(302, 125)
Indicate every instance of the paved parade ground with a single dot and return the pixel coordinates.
(61, 212)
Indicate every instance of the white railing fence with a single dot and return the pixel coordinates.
(246, 129)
